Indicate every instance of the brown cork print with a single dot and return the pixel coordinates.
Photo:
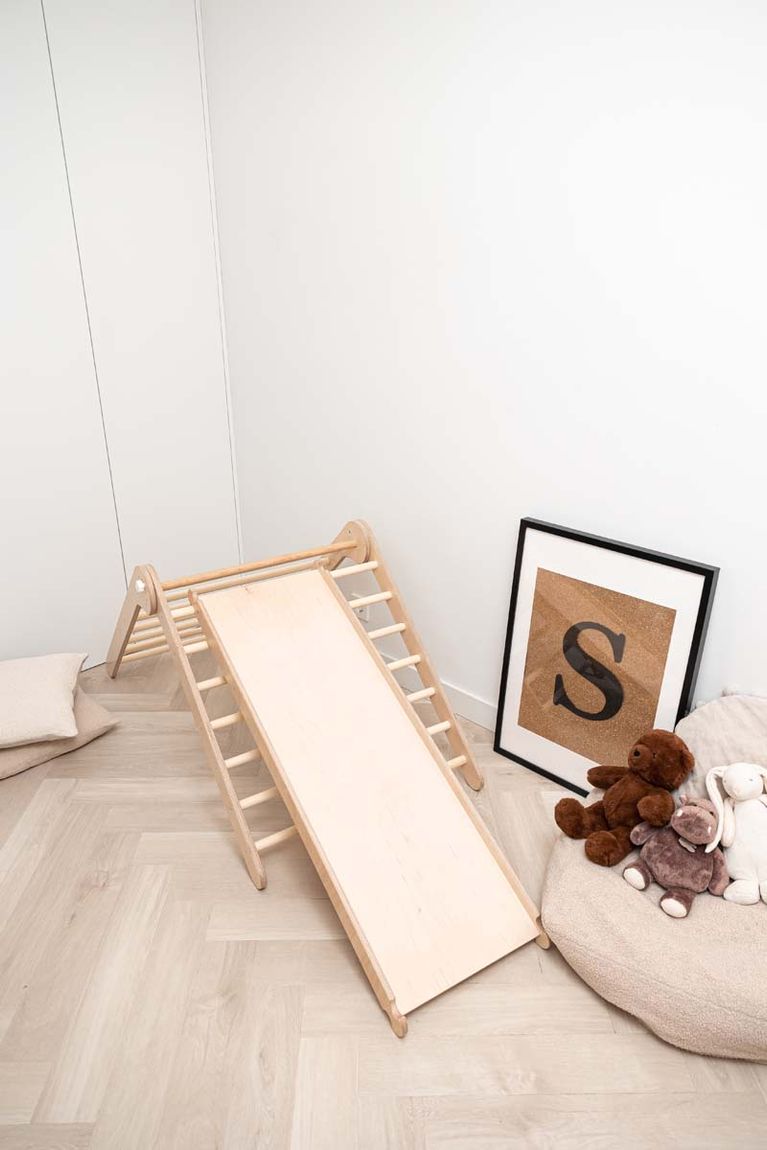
(634, 653)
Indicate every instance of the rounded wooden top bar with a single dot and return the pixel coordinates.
(244, 568)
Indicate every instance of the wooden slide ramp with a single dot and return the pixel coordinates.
(422, 889)
(424, 893)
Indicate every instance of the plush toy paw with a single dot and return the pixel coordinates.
(677, 903)
(743, 891)
(656, 809)
(604, 849)
(674, 907)
(570, 817)
(637, 876)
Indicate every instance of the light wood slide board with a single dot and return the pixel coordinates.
(419, 884)
(369, 780)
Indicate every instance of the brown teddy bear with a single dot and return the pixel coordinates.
(658, 763)
(676, 858)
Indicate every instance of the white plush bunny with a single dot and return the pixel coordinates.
(741, 828)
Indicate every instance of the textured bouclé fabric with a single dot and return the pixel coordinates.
(37, 699)
(92, 720)
(697, 982)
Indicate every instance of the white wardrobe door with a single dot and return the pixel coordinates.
(61, 576)
(128, 82)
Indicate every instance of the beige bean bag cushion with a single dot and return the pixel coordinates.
(698, 982)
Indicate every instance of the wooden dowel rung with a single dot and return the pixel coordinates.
(193, 648)
(458, 761)
(416, 696)
(277, 837)
(185, 630)
(146, 636)
(148, 622)
(382, 632)
(245, 568)
(143, 654)
(437, 728)
(408, 661)
(354, 569)
(369, 600)
(226, 721)
(244, 580)
(260, 797)
(241, 760)
(183, 612)
(145, 644)
(209, 684)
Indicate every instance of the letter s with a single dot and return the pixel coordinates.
(593, 671)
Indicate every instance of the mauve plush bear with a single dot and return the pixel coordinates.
(675, 857)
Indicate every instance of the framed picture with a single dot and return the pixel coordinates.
(603, 643)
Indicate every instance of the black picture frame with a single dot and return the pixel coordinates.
(709, 576)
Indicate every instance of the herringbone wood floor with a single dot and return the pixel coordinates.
(151, 997)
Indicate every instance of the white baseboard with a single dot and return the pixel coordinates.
(468, 706)
(471, 707)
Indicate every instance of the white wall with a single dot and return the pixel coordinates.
(61, 566)
(128, 84)
(115, 423)
(491, 259)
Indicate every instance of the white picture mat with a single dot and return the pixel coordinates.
(627, 574)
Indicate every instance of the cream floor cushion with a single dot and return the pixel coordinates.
(37, 699)
(698, 982)
(92, 720)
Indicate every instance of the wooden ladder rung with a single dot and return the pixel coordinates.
(277, 837)
(152, 622)
(369, 600)
(193, 648)
(436, 728)
(209, 684)
(226, 720)
(260, 797)
(241, 760)
(416, 696)
(409, 661)
(132, 655)
(382, 632)
(145, 643)
(455, 763)
(354, 569)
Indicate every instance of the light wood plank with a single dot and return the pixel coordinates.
(578, 1122)
(274, 918)
(18, 792)
(233, 1080)
(325, 1113)
(21, 1084)
(431, 903)
(474, 1008)
(69, 954)
(594, 1063)
(42, 1136)
(48, 901)
(133, 1104)
(91, 1047)
(30, 840)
